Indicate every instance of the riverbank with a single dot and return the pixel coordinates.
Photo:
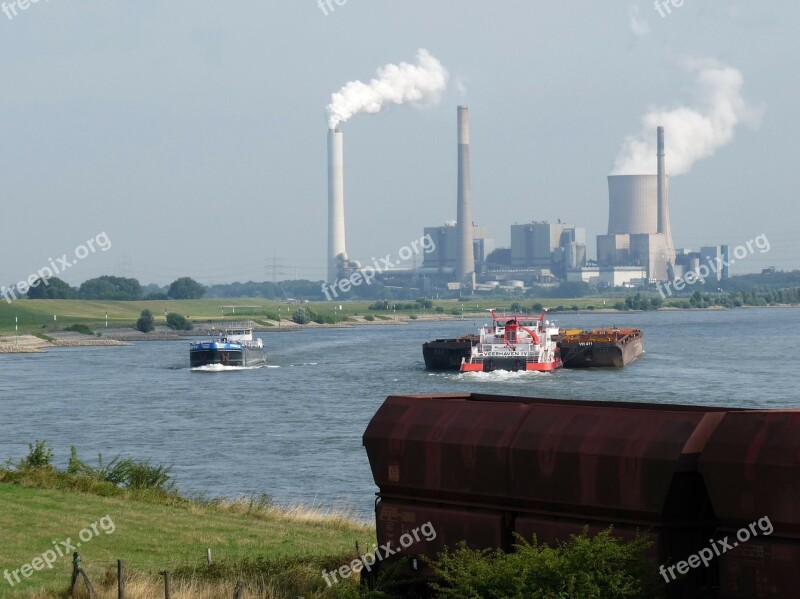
(275, 551)
(30, 344)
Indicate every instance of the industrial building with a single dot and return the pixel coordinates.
(445, 257)
(543, 245)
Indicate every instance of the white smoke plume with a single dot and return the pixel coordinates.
(419, 85)
(639, 26)
(692, 132)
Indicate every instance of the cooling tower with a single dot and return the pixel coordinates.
(336, 247)
(633, 204)
(465, 260)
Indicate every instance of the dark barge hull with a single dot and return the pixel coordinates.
(245, 357)
(600, 355)
(446, 354)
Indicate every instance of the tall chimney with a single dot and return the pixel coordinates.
(465, 262)
(336, 246)
(663, 199)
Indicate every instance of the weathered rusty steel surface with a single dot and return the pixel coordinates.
(483, 469)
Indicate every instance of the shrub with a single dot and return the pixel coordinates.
(80, 328)
(300, 316)
(145, 324)
(123, 472)
(598, 567)
(369, 318)
(39, 456)
(412, 316)
(178, 323)
(439, 309)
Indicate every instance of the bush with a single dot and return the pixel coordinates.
(146, 323)
(599, 567)
(39, 456)
(301, 316)
(439, 309)
(412, 316)
(123, 472)
(369, 318)
(80, 328)
(178, 323)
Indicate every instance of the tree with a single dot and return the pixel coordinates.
(186, 288)
(145, 324)
(178, 323)
(110, 288)
(51, 288)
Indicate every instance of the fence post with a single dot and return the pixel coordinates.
(120, 580)
(76, 563)
(208, 555)
(237, 593)
(167, 593)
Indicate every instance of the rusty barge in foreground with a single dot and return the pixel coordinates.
(485, 468)
(598, 348)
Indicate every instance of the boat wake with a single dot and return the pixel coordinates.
(496, 376)
(223, 368)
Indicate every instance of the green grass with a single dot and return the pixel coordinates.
(152, 534)
(37, 316)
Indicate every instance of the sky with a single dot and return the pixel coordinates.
(193, 134)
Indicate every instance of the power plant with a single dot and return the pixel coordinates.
(637, 250)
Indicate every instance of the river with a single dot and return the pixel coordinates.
(293, 430)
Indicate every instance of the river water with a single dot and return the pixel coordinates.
(293, 430)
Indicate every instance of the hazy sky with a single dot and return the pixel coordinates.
(194, 133)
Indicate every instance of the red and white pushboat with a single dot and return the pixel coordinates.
(515, 343)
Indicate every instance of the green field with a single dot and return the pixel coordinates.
(36, 316)
(151, 537)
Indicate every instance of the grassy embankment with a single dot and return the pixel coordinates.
(277, 553)
(37, 316)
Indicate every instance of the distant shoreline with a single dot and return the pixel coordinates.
(125, 336)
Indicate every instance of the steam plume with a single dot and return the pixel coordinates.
(695, 132)
(404, 83)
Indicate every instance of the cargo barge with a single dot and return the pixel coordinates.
(599, 348)
(236, 347)
(446, 354)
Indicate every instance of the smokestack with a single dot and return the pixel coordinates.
(465, 263)
(663, 199)
(336, 247)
